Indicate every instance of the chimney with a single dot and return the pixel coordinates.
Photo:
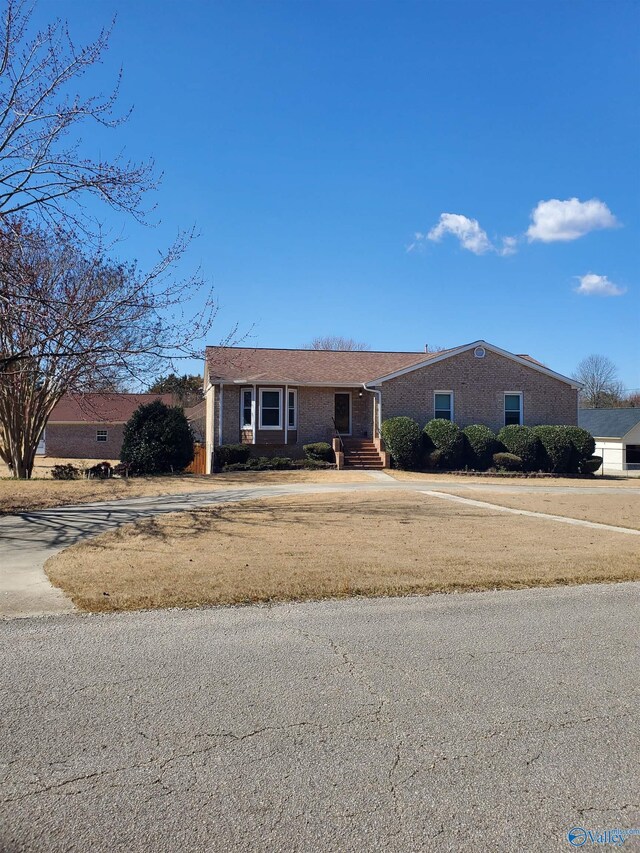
(426, 347)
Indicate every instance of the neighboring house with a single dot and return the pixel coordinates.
(617, 435)
(90, 426)
(280, 399)
(196, 415)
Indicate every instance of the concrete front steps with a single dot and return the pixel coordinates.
(361, 453)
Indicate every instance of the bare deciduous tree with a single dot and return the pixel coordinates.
(78, 322)
(42, 164)
(335, 342)
(601, 386)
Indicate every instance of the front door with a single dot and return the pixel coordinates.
(342, 415)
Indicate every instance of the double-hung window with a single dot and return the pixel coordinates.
(443, 405)
(271, 408)
(513, 408)
(246, 408)
(101, 435)
(291, 410)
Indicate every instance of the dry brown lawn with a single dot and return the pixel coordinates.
(293, 548)
(541, 482)
(621, 510)
(25, 495)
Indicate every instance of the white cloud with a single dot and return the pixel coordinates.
(598, 285)
(556, 220)
(509, 246)
(468, 232)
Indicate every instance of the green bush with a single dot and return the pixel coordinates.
(320, 451)
(446, 437)
(582, 440)
(558, 451)
(434, 459)
(402, 439)
(231, 454)
(507, 462)
(480, 445)
(521, 441)
(583, 446)
(65, 472)
(269, 463)
(591, 465)
(157, 439)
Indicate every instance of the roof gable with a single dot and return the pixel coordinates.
(524, 360)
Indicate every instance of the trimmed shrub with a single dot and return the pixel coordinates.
(480, 445)
(65, 472)
(582, 440)
(320, 451)
(402, 438)
(523, 442)
(447, 437)
(102, 471)
(267, 463)
(157, 439)
(507, 462)
(591, 465)
(558, 451)
(583, 446)
(434, 459)
(231, 454)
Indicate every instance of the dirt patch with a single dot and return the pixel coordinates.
(621, 510)
(537, 482)
(379, 543)
(23, 495)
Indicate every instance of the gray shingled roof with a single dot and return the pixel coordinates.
(608, 423)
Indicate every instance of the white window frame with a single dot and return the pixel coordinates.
(450, 393)
(104, 432)
(280, 419)
(294, 425)
(504, 405)
(244, 391)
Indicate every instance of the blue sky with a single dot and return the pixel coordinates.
(310, 142)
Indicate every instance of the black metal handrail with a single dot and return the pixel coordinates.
(335, 429)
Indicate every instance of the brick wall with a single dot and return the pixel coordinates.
(478, 386)
(78, 441)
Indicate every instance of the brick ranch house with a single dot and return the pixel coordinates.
(277, 400)
(90, 426)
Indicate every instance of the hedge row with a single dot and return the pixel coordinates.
(442, 444)
(237, 457)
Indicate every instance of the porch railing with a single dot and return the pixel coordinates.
(337, 434)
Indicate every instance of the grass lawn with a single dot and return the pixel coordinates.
(24, 495)
(621, 510)
(293, 548)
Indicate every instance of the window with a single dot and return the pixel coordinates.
(246, 408)
(633, 454)
(101, 435)
(291, 410)
(270, 408)
(513, 408)
(443, 405)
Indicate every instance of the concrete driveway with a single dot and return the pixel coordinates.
(479, 722)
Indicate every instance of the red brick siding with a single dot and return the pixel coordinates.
(479, 385)
(78, 441)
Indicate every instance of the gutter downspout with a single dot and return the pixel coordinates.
(220, 417)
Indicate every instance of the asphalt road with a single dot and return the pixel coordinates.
(483, 721)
